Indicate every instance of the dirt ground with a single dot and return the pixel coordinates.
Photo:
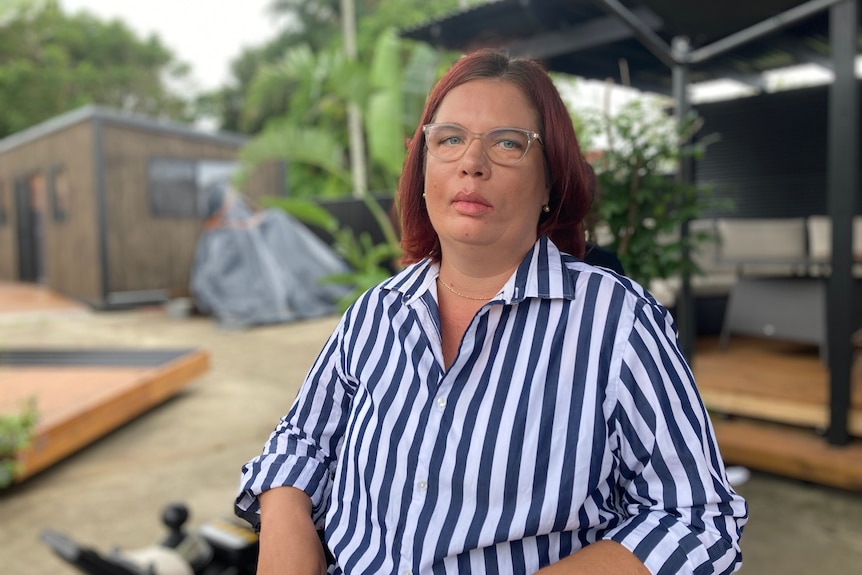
(190, 449)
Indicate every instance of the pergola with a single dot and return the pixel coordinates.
(664, 46)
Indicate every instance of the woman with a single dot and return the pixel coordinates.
(499, 406)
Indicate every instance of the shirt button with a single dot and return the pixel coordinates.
(422, 485)
(441, 402)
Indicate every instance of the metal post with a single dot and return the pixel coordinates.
(680, 48)
(843, 185)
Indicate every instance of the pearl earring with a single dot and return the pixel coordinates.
(546, 208)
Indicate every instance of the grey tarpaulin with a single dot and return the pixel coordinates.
(252, 268)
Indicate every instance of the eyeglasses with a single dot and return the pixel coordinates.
(504, 146)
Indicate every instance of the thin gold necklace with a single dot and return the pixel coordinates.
(459, 294)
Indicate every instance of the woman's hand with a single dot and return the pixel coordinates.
(289, 544)
(599, 558)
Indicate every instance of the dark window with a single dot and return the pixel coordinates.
(173, 187)
(177, 186)
(5, 203)
(60, 192)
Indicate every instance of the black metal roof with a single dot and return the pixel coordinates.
(583, 37)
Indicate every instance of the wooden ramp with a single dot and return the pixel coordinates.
(769, 402)
(82, 395)
(790, 451)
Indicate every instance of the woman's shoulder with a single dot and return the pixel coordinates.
(407, 282)
(609, 279)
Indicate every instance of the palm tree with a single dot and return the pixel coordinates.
(311, 136)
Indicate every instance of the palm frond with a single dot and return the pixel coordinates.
(295, 144)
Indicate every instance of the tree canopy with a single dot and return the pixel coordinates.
(293, 94)
(52, 62)
(314, 25)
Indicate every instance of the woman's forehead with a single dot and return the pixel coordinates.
(485, 104)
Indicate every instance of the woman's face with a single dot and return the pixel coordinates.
(472, 201)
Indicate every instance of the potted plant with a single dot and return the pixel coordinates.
(640, 207)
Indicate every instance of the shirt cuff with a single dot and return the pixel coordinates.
(666, 545)
(269, 471)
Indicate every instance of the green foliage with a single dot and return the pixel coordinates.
(311, 132)
(315, 24)
(306, 211)
(51, 62)
(376, 16)
(11, 8)
(313, 152)
(16, 433)
(302, 83)
(640, 205)
(369, 263)
(422, 69)
(318, 84)
(312, 22)
(311, 135)
(385, 133)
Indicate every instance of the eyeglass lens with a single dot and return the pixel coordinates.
(502, 145)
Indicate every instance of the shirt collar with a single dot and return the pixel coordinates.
(542, 274)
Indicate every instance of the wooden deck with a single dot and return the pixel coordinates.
(79, 403)
(769, 402)
(81, 394)
(22, 298)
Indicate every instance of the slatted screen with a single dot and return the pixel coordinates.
(771, 159)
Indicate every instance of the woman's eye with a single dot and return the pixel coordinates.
(451, 141)
(508, 144)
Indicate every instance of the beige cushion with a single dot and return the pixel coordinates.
(764, 246)
(820, 243)
(820, 237)
(762, 239)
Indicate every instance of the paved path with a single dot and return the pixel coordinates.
(191, 448)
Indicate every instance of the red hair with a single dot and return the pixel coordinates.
(569, 179)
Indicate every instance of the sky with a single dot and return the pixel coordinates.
(206, 34)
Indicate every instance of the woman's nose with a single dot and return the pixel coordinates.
(475, 162)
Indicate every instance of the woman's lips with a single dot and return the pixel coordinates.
(471, 204)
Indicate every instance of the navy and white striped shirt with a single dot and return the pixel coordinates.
(569, 415)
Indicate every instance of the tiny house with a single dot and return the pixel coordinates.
(107, 207)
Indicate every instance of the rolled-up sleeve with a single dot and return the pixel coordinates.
(302, 450)
(682, 515)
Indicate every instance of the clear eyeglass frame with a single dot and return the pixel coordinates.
(490, 141)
